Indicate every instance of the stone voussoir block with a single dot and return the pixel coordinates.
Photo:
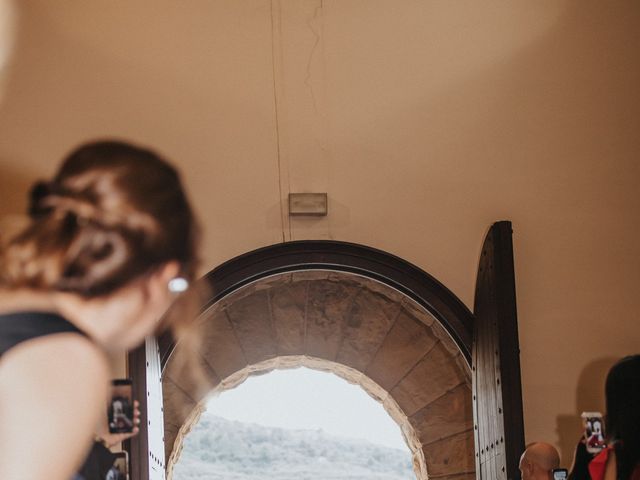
(220, 345)
(288, 311)
(327, 305)
(405, 344)
(433, 376)
(367, 323)
(450, 456)
(251, 321)
(450, 414)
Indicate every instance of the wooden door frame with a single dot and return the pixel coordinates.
(357, 259)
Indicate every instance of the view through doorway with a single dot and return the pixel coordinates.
(295, 424)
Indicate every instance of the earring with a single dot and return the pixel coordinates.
(178, 285)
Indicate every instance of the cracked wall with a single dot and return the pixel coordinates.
(432, 120)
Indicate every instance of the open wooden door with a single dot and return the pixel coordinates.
(146, 450)
(497, 391)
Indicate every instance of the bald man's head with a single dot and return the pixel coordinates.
(538, 460)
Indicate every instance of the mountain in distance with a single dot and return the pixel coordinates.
(220, 449)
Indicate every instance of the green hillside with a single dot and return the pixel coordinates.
(219, 449)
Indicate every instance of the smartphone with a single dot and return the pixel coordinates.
(120, 411)
(560, 474)
(593, 431)
(120, 468)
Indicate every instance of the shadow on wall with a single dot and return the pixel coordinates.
(589, 398)
(14, 188)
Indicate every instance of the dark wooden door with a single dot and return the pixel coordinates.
(497, 392)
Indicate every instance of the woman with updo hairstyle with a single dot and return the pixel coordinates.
(88, 276)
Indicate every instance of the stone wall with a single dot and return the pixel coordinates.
(352, 326)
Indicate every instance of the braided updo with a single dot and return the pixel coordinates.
(112, 213)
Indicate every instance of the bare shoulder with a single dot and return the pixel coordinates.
(63, 357)
(54, 385)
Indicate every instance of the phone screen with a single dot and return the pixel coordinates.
(593, 431)
(560, 474)
(120, 468)
(120, 411)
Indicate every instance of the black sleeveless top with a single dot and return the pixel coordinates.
(19, 327)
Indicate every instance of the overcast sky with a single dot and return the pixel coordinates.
(308, 399)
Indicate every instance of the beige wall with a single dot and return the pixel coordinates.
(424, 121)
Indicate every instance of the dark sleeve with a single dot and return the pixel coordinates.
(98, 462)
(581, 461)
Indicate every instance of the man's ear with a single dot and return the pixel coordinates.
(530, 467)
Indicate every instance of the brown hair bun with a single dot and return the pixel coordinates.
(113, 212)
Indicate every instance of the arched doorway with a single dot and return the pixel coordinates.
(407, 336)
(342, 309)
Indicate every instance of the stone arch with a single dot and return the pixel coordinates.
(355, 326)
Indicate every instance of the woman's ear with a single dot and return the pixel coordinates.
(159, 297)
(168, 271)
(158, 283)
